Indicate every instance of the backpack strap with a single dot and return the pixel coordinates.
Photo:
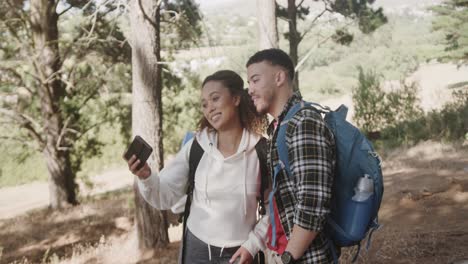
(283, 163)
(196, 153)
(281, 138)
(261, 147)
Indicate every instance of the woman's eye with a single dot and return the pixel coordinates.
(203, 105)
(216, 98)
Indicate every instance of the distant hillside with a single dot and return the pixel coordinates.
(413, 4)
(248, 7)
(228, 7)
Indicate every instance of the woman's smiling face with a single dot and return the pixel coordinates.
(219, 106)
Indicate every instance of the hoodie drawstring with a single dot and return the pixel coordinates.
(245, 182)
(209, 166)
(221, 254)
(209, 252)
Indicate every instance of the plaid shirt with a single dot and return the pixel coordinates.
(304, 198)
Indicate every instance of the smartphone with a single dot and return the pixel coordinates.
(141, 149)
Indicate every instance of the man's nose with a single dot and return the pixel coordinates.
(249, 90)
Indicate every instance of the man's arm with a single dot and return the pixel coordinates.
(299, 241)
(311, 152)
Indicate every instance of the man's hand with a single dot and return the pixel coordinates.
(142, 173)
(243, 255)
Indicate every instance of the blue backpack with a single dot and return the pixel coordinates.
(350, 221)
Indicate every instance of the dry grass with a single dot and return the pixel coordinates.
(100, 230)
(44, 234)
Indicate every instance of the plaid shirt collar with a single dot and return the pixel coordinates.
(294, 99)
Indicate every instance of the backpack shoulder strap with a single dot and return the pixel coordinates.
(281, 138)
(196, 153)
(261, 147)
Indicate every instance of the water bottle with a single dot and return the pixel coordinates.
(364, 188)
(358, 209)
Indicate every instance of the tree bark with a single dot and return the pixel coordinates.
(294, 38)
(44, 28)
(151, 224)
(267, 27)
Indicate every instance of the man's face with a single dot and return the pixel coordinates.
(262, 85)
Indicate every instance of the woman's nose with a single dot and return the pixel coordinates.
(211, 107)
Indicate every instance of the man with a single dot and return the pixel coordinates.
(302, 200)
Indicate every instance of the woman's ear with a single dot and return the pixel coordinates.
(237, 100)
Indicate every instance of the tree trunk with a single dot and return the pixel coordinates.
(44, 20)
(267, 28)
(294, 38)
(151, 224)
(62, 185)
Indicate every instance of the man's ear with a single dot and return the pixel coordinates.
(280, 77)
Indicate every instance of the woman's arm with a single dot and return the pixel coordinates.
(162, 190)
(255, 242)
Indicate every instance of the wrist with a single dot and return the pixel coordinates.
(144, 175)
(287, 258)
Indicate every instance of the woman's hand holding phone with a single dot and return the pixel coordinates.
(136, 155)
(142, 173)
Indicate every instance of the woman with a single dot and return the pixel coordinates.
(222, 226)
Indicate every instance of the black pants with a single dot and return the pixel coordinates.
(198, 252)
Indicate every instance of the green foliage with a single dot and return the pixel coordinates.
(448, 124)
(96, 72)
(93, 72)
(398, 118)
(402, 103)
(181, 111)
(368, 99)
(452, 20)
(376, 109)
(342, 36)
(395, 50)
(181, 23)
(21, 165)
(113, 146)
(369, 19)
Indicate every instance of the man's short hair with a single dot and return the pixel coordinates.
(275, 57)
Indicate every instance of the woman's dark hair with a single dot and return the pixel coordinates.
(248, 115)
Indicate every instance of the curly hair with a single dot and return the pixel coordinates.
(249, 118)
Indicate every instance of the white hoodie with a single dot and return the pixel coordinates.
(224, 208)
